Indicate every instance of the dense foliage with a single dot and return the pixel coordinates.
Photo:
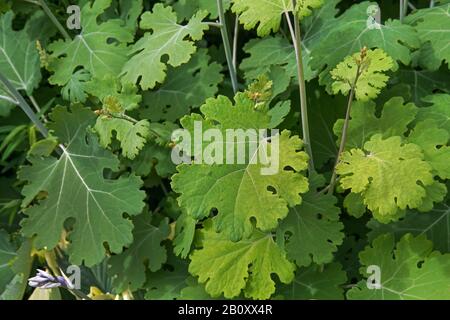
(360, 95)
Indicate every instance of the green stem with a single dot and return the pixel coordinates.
(330, 188)
(226, 44)
(55, 21)
(403, 9)
(296, 39)
(214, 24)
(235, 41)
(24, 106)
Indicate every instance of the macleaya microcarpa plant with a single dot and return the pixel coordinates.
(88, 119)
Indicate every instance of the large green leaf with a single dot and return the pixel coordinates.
(73, 186)
(100, 48)
(433, 28)
(350, 32)
(410, 270)
(19, 58)
(240, 192)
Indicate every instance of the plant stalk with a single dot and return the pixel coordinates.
(296, 39)
(330, 188)
(24, 106)
(235, 41)
(55, 21)
(403, 9)
(227, 46)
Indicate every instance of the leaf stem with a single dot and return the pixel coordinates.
(226, 44)
(24, 106)
(330, 188)
(214, 24)
(55, 21)
(403, 9)
(235, 41)
(296, 39)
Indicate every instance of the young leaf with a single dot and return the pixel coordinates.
(267, 14)
(74, 186)
(165, 38)
(410, 270)
(229, 267)
(389, 174)
(109, 87)
(132, 136)
(367, 75)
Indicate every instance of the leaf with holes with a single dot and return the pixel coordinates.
(74, 187)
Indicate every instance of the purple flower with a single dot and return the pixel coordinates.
(45, 280)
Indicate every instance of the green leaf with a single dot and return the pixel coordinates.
(267, 14)
(348, 34)
(167, 284)
(435, 224)
(423, 82)
(7, 255)
(152, 156)
(75, 188)
(74, 90)
(165, 38)
(19, 58)
(126, 95)
(371, 77)
(14, 272)
(316, 283)
(240, 192)
(394, 120)
(312, 230)
(269, 52)
(433, 142)
(146, 250)
(410, 270)
(187, 8)
(184, 235)
(186, 87)
(390, 175)
(438, 111)
(229, 267)
(433, 28)
(132, 136)
(92, 49)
